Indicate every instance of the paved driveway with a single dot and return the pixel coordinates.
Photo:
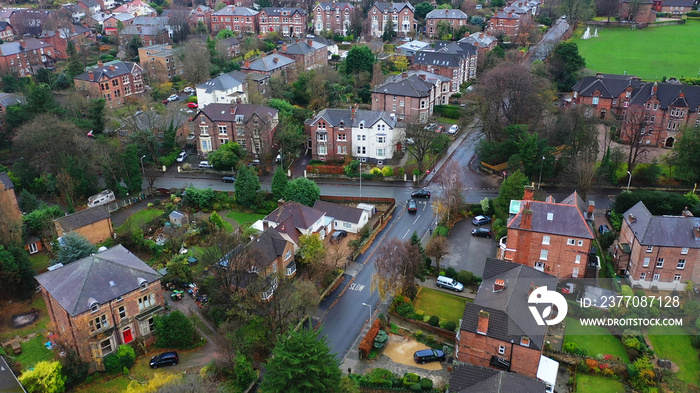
(466, 251)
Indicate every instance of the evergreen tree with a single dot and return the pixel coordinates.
(279, 182)
(74, 246)
(302, 190)
(75, 65)
(246, 186)
(301, 363)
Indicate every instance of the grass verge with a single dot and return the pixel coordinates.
(244, 218)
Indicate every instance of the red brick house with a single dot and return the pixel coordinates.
(251, 126)
(112, 81)
(6, 32)
(506, 23)
(78, 34)
(294, 219)
(482, 41)
(201, 13)
(308, 54)
(273, 64)
(454, 60)
(658, 251)
(468, 378)
(335, 17)
(401, 15)
(411, 95)
(606, 93)
(637, 11)
(26, 56)
(111, 24)
(237, 19)
(497, 329)
(102, 301)
(290, 22)
(675, 7)
(94, 223)
(148, 35)
(551, 237)
(454, 18)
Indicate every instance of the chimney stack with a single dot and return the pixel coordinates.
(696, 233)
(591, 208)
(352, 113)
(655, 88)
(529, 193)
(310, 42)
(526, 220)
(422, 76)
(91, 75)
(280, 202)
(112, 68)
(246, 64)
(510, 14)
(482, 326)
(274, 51)
(499, 285)
(100, 64)
(284, 48)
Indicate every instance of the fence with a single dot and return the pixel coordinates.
(118, 204)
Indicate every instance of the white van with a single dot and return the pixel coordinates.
(449, 283)
(102, 198)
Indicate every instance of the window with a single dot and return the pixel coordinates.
(99, 323)
(122, 312)
(361, 138)
(570, 242)
(106, 347)
(401, 103)
(381, 139)
(322, 151)
(288, 255)
(342, 150)
(594, 101)
(242, 142)
(146, 302)
(656, 106)
(574, 272)
(681, 264)
(342, 137)
(393, 108)
(580, 243)
(684, 251)
(115, 82)
(223, 141)
(646, 262)
(380, 152)
(643, 276)
(677, 278)
(502, 349)
(544, 254)
(650, 248)
(578, 258)
(660, 263)
(361, 150)
(204, 130)
(321, 137)
(545, 240)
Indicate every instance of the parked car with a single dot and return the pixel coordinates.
(173, 97)
(192, 105)
(412, 206)
(188, 90)
(449, 283)
(164, 359)
(338, 236)
(428, 355)
(603, 229)
(182, 156)
(204, 164)
(440, 129)
(430, 126)
(228, 179)
(480, 220)
(482, 232)
(254, 163)
(422, 193)
(453, 129)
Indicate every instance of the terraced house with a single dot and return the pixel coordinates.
(400, 14)
(335, 17)
(290, 22)
(238, 19)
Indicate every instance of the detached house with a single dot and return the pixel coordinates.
(289, 22)
(230, 88)
(102, 301)
(365, 135)
(498, 330)
(295, 219)
(551, 237)
(505, 23)
(112, 81)
(482, 41)
(270, 65)
(26, 56)
(94, 223)
(658, 251)
(346, 218)
(308, 54)
(136, 8)
(454, 18)
(400, 14)
(334, 17)
(468, 378)
(411, 95)
(251, 126)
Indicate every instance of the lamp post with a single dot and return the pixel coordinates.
(370, 310)
(629, 180)
(143, 171)
(361, 184)
(539, 183)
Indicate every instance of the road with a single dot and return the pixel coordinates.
(548, 41)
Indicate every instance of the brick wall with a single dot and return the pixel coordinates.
(477, 349)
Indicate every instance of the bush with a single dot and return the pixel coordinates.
(405, 310)
(465, 277)
(123, 358)
(368, 342)
(375, 171)
(449, 111)
(387, 171)
(378, 377)
(441, 230)
(451, 326)
(381, 339)
(426, 383)
(174, 330)
(693, 14)
(410, 379)
(450, 272)
(434, 321)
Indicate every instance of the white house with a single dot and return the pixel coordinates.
(374, 135)
(224, 89)
(346, 218)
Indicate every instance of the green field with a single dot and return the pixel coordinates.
(595, 384)
(444, 305)
(596, 339)
(677, 348)
(650, 53)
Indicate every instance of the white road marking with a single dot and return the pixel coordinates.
(356, 287)
(406, 234)
(416, 220)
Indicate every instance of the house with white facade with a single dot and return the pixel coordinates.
(224, 89)
(295, 219)
(345, 218)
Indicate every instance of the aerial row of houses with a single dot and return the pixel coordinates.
(514, 18)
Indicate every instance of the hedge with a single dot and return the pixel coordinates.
(368, 342)
(448, 111)
(328, 169)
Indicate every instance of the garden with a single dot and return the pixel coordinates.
(673, 343)
(620, 50)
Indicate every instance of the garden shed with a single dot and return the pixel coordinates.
(177, 218)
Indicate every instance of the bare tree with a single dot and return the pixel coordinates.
(397, 265)
(580, 171)
(607, 7)
(178, 23)
(10, 224)
(196, 62)
(418, 141)
(291, 301)
(437, 248)
(632, 132)
(450, 200)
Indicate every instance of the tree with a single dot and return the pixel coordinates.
(73, 247)
(686, 155)
(196, 62)
(389, 31)
(45, 377)
(422, 9)
(577, 10)
(279, 182)
(290, 137)
(174, 330)
(437, 248)
(513, 187)
(398, 264)
(360, 58)
(133, 46)
(420, 142)
(632, 132)
(311, 249)
(246, 186)
(75, 65)
(227, 156)
(450, 182)
(178, 270)
(444, 30)
(565, 65)
(16, 273)
(302, 190)
(177, 20)
(301, 362)
(607, 7)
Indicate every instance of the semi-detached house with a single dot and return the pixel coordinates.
(236, 19)
(400, 14)
(454, 18)
(412, 95)
(112, 81)
(289, 22)
(335, 17)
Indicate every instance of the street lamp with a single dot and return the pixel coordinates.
(143, 172)
(629, 180)
(539, 183)
(370, 310)
(361, 184)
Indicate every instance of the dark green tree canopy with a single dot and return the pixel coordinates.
(422, 9)
(686, 155)
(565, 65)
(74, 246)
(227, 157)
(360, 58)
(247, 186)
(302, 190)
(279, 182)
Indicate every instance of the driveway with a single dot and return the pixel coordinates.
(467, 252)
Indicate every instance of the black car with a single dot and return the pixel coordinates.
(482, 232)
(164, 359)
(428, 355)
(228, 179)
(421, 194)
(412, 206)
(338, 235)
(603, 229)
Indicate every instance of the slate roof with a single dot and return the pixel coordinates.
(235, 11)
(228, 113)
(103, 277)
(461, 48)
(335, 116)
(334, 5)
(302, 216)
(142, 30)
(435, 58)
(5, 181)
(270, 63)
(410, 86)
(509, 315)
(277, 11)
(150, 21)
(414, 45)
(340, 212)
(9, 99)
(384, 7)
(479, 39)
(669, 94)
(84, 217)
(609, 85)
(679, 3)
(222, 82)
(267, 247)
(8, 380)
(28, 44)
(664, 231)
(231, 41)
(446, 14)
(90, 3)
(303, 47)
(567, 219)
(505, 15)
(120, 68)
(474, 379)
(4, 26)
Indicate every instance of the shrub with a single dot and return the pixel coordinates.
(451, 112)
(441, 230)
(415, 387)
(420, 313)
(368, 342)
(375, 171)
(465, 277)
(451, 326)
(405, 310)
(418, 334)
(410, 379)
(608, 372)
(410, 292)
(450, 272)
(426, 383)
(118, 361)
(434, 321)
(174, 330)
(381, 339)
(378, 377)
(402, 171)
(388, 171)
(591, 364)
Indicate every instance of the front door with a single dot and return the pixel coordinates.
(656, 277)
(33, 248)
(127, 336)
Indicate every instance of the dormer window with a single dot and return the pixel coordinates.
(93, 304)
(253, 269)
(362, 125)
(143, 283)
(341, 124)
(239, 119)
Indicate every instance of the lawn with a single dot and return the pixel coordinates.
(650, 54)
(140, 218)
(675, 345)
(444, 305)
(245, 218)
(40, 325)
(40, 261)
(596, 339)
(595, 384)
(34, 351)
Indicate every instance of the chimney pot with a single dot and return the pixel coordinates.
(112, 68)
(310, 42)
(591, 207)
(246, 64)
(274, 51)
(91, 75)
(526, 220)
(284, 48)
(100, 64)
(529, 193)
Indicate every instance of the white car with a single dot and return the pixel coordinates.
(173, 97)
(204, 164)
(181, 157)
(188, 89)
(453, 129)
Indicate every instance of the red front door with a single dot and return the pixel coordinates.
(127, 336)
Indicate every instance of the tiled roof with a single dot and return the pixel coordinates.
(479, 39)
(28, 44)
(8, 380)
(334, 5)
(4, 26)
(280, 11)
(446, 14)
(222, 82)
(334, 116)
(228, 113)
(609, 85)
(101, 277)
(303, 47)
(505, 15)
(564, 219)
(669, 94)
(5, 181)
(303, 216)
(509, 315)
(679, 3)
(384, 7)
(267, 247)
(150, 21)
(474, 379)
(340, 212)
(235, 11)
(120, 68)
(82, 218)
(142, 30)
(462, 48)
(270, 63)
(9, 99)
(664, 231)
(410, 86)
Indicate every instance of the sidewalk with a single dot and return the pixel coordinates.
(450, 151)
